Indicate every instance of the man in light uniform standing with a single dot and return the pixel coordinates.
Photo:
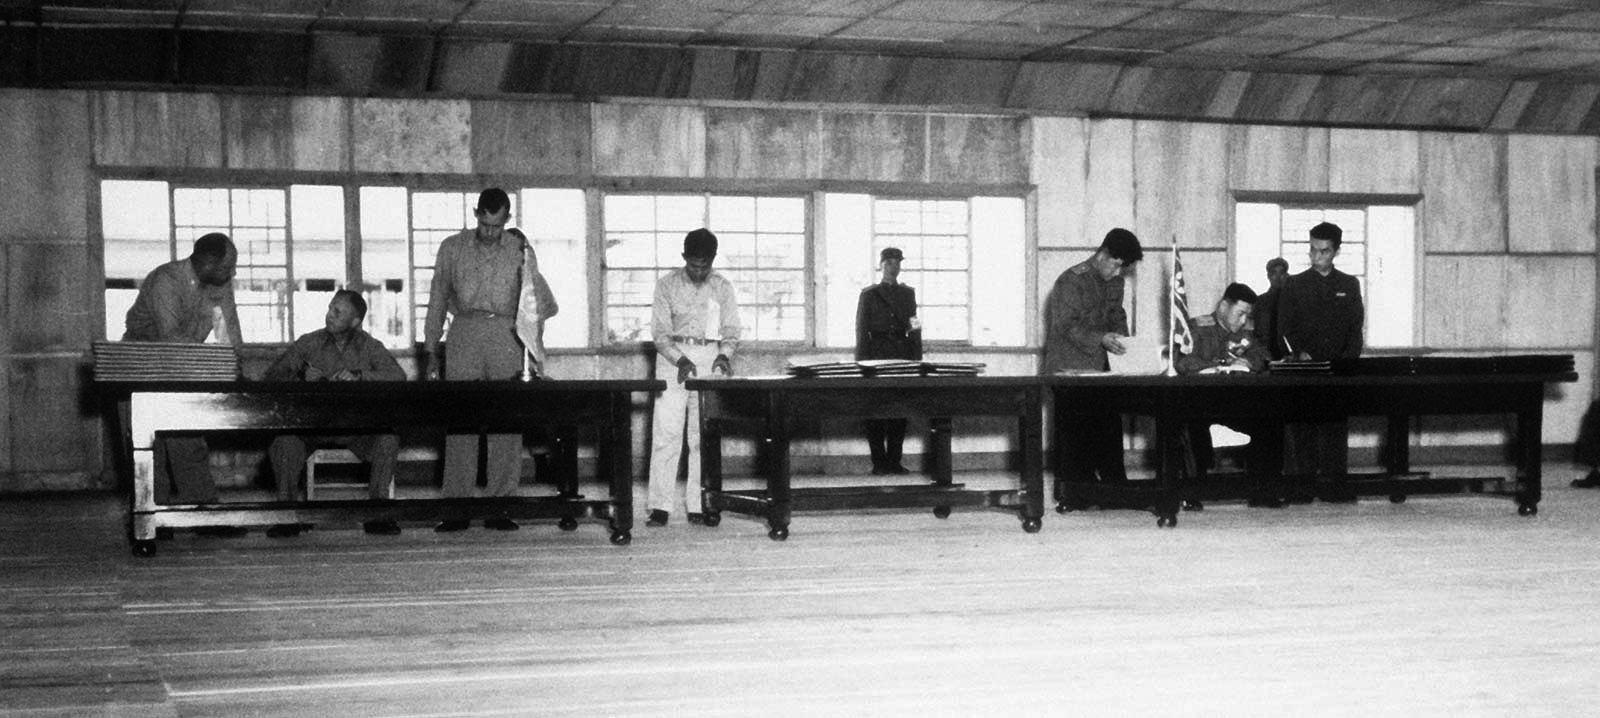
(695, 327)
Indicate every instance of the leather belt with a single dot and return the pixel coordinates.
(483, 314)
(691, 340)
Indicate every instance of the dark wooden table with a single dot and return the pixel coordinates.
(777, 405)
(1175, 401)
(158, 408)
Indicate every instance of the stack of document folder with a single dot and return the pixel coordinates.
(1286, 366)
(164, 361)
(881, 367)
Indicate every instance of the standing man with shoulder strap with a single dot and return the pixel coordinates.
(887, 328)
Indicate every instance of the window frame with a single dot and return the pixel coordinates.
(1347, 200)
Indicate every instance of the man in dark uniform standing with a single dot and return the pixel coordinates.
(1266, 307)
(1223, 343)
(887, 328)
(1084, 317)
(1321, 318)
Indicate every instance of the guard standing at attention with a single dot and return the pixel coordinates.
(887, 328)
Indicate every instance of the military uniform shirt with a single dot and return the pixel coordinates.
(1082, 308)
(363, 355)
(883, 323)
(1215, 346)
(1322, 316)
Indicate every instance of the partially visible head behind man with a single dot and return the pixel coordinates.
(1328, 231)
(214, 259)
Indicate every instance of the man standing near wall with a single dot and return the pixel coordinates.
(1266, 318)
(476, 279)
(1321, 318)
(1084, 319)
(694, 323)
(189, 301)
(887, 328)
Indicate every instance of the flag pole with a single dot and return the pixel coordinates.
(1172, 309)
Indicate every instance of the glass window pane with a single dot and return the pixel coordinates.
(627, 324)
(201, 208)
(383, 212)
(557, 223)
(732, 214)
(848, 264)
(678, 214)
(629, 213)
(737, 249)
(781, 250)
(386, 264)
(943, 323)
(630, 249)
(131, 210)
(781, 214)
(118, 302)
(636, 287)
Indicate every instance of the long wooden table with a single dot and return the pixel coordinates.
(197, 408)
(777, 406)
(1175, 401)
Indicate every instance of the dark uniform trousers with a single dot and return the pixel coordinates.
(883, 331)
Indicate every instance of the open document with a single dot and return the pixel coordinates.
(1144, 356)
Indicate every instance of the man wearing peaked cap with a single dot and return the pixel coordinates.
(887, 328)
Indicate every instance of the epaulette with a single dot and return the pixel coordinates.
(1080, 268)
(1205, 321)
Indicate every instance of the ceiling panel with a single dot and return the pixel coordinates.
(1493, 39)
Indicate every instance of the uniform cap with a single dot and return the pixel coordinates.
(889, 253)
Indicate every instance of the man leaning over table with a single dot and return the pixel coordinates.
(477, 281)
(339, 351)
(1084, 319)
(694, 324)
(1224, 342)
(190, 301)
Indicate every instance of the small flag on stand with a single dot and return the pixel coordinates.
(535, 303)
(1182, 338)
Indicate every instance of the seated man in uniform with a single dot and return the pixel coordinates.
(1223, 343)
(340, 351)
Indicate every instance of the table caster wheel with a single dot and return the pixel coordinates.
(144, 549)
(778, 533)
(713, 518)
(941, 512)
(621, 538)
(1397, 498)
(1031, 525)
(1527, 509)
(1167, 521)
(567, 523)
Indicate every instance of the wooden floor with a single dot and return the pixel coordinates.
(1441, 606)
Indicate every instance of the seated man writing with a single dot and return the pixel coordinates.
(340, 351)
(1224, 343)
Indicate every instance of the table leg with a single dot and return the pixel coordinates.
(1030, 439)
(710, 467)
(1167, 471)
(1530, 452)
(778, 482)
(617, 453)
